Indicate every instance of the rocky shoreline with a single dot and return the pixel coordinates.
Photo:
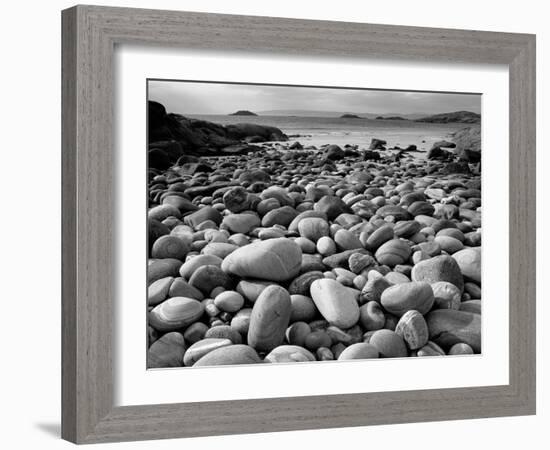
(287, 254)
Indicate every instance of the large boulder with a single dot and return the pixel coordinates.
(274, 259)
(377, 144)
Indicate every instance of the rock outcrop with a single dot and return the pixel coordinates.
(173, 135)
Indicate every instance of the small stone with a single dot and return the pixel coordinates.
(393, 252)
(302, 308)
(241, 223)
(175, 313)
(236, 199)
(206, 278)
(449, 327)
(301, 284)
(372, 316)
(296, 333)
(224, 332)
(346, 240)
(313, 228)
(157, 291)
(317, 339)
(326, 246)
(389, 344)
(280, 216)
(167, 351)
(230, 355)
(289, 353)
(331, 205)
(461, 349)
(229, 301)
(413, 329)
(446, 295)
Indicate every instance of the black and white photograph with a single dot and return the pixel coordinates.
(304, 224)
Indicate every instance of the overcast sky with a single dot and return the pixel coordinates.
(219, 98)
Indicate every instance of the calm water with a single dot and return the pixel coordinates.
(333, 130)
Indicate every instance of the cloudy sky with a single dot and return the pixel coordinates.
(220, 98)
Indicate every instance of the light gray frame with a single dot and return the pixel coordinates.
(89, 36)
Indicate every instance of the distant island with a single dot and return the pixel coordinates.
(243, 112)
(391, 118)
(349, 116)
(453, 117)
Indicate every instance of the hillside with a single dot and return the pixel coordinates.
(452, 117)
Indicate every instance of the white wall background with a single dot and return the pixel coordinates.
(30, 226)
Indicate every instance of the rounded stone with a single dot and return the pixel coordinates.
(449, 327)
(449, 244)
(229, 301)
(241, 223)
(230, 355)
(359, 350)
(167, 351)
(317, 339)
(269, 319)
(413, 329)
(301, 285)
(313, 228)
(439, 268)
(195, 332)
(389, 344)
(326, 246)
(280, 216)
(236, 199)
(379, 237)
(192, 264)
(157, 291)
(461, 349)
(175, 313)
(372, 316)
(331, 205)
(206, 278)
(302, 308)
(289, 354)
(296, 333)
(274, 259)
(224, 332)
(162, 268)
(400, 298)
(241, 321)
(393, 252)
(336, 303)
(469, 262)
(446, 295)
(346, 240)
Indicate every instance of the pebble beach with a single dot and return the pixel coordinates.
(292, 253)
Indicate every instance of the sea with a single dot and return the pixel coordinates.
(318, 131)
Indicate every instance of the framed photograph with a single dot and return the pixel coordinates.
(268, 230)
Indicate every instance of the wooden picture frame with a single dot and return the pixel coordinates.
(90, 34)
